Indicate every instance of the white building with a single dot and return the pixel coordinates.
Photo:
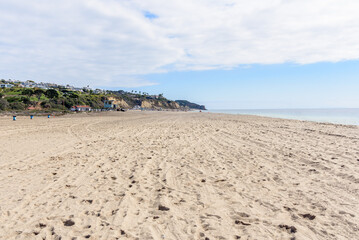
(6, 85)
(80, 108)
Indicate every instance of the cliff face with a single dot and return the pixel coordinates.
(156, 104)
(147, 103)
(175, 105)
(120, 102)
(129, 100)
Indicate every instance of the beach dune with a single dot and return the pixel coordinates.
(168, 175)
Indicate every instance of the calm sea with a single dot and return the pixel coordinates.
(337, 115)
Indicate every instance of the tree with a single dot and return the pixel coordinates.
(38, 92)
(27, 91)
(52, 93)
(25, 100)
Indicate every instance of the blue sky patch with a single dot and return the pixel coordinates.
(150, 15)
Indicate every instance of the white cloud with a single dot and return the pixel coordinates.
(108, 42)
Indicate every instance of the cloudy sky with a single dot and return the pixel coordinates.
(251, 54)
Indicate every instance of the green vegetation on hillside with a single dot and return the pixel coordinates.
(20, 96)
(62, 99)
(17, 98)
(185, 103)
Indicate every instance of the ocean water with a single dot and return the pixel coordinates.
(348, 116)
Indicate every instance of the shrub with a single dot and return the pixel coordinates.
(69, 102)
(13, 99)
(57, 106)
(3, 104)
(74, 95)
(17, 106)
(45, 105)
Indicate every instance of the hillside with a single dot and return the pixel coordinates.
(185, 103)
(53, 97)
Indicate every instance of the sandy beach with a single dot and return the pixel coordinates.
(168, 175)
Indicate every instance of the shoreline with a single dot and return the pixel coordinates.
(290, 119)
(104, 113)
(344, 120)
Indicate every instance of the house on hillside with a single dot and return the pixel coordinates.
(87, 88)
(29, 84)
(80, 108)
(97, 91)
(5, 85)
(69, 87)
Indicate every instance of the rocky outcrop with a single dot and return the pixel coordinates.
(120, 103)
(147, 104)
(158, 104)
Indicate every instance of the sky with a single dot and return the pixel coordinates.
(224, 54)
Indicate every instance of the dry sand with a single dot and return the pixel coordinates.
(158, 175)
